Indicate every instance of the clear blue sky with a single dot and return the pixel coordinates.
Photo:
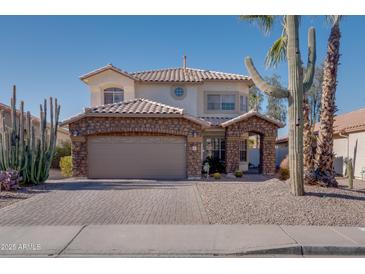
(45, 55)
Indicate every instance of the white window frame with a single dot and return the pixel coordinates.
(243, 103)
(221, 102)
(114, 91)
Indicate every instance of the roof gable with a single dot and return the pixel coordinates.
(106, 68)
(250, 114)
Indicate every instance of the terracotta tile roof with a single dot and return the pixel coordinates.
(249, 114)
(216, 121)
(171, 75)
(136, 106)
(348, 122)
(186, 75)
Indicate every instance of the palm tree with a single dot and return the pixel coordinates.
(325, 174)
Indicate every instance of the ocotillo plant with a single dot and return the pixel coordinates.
(22, 149)
(299, 82)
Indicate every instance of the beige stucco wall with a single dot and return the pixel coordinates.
(108, 79)
(356, 150)
(163, 93)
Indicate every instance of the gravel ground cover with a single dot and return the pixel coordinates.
(270, 202)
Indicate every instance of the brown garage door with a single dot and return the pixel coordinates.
(137, 157)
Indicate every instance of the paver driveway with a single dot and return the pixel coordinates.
(109, 202)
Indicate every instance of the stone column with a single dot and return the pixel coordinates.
(79, 156)
(268, 155)
(194, 160)
(232, 153)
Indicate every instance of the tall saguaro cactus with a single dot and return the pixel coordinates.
(23, 150)
(299, 83)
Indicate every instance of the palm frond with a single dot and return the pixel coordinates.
(264, 22)
(277, 52)
(333, 19)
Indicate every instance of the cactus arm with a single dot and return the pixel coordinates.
(261, 84)
(309, 73)
(21, 137)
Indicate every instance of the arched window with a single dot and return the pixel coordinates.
(113, 95)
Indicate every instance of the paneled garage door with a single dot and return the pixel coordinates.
(137, 157)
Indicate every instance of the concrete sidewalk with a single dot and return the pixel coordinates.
(181, 240)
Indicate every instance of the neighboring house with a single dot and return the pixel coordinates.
(348, 141)
(163, 123)
(281, 149)
(62, 133)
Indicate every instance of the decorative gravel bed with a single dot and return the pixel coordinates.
(270, 202)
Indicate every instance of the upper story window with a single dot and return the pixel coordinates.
(113, 95)
(243, 103)
(221, 102)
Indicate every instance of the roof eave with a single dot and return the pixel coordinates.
(80, 116)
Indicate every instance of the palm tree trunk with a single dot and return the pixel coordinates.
(325, 156)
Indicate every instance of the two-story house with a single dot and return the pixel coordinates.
(163, 123)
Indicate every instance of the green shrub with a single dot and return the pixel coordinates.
(284, 174)
(238, 174)
(66, 166)
(217, 175)
(63, 149)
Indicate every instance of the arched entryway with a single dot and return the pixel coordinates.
(238, 132)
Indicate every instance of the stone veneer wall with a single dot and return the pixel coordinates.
(91, 126)
(268, 133)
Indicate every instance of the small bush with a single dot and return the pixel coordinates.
(62, 150)
(217, 176)
(238, 174)
(66, 166)
(9, 180)
(284, 174)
